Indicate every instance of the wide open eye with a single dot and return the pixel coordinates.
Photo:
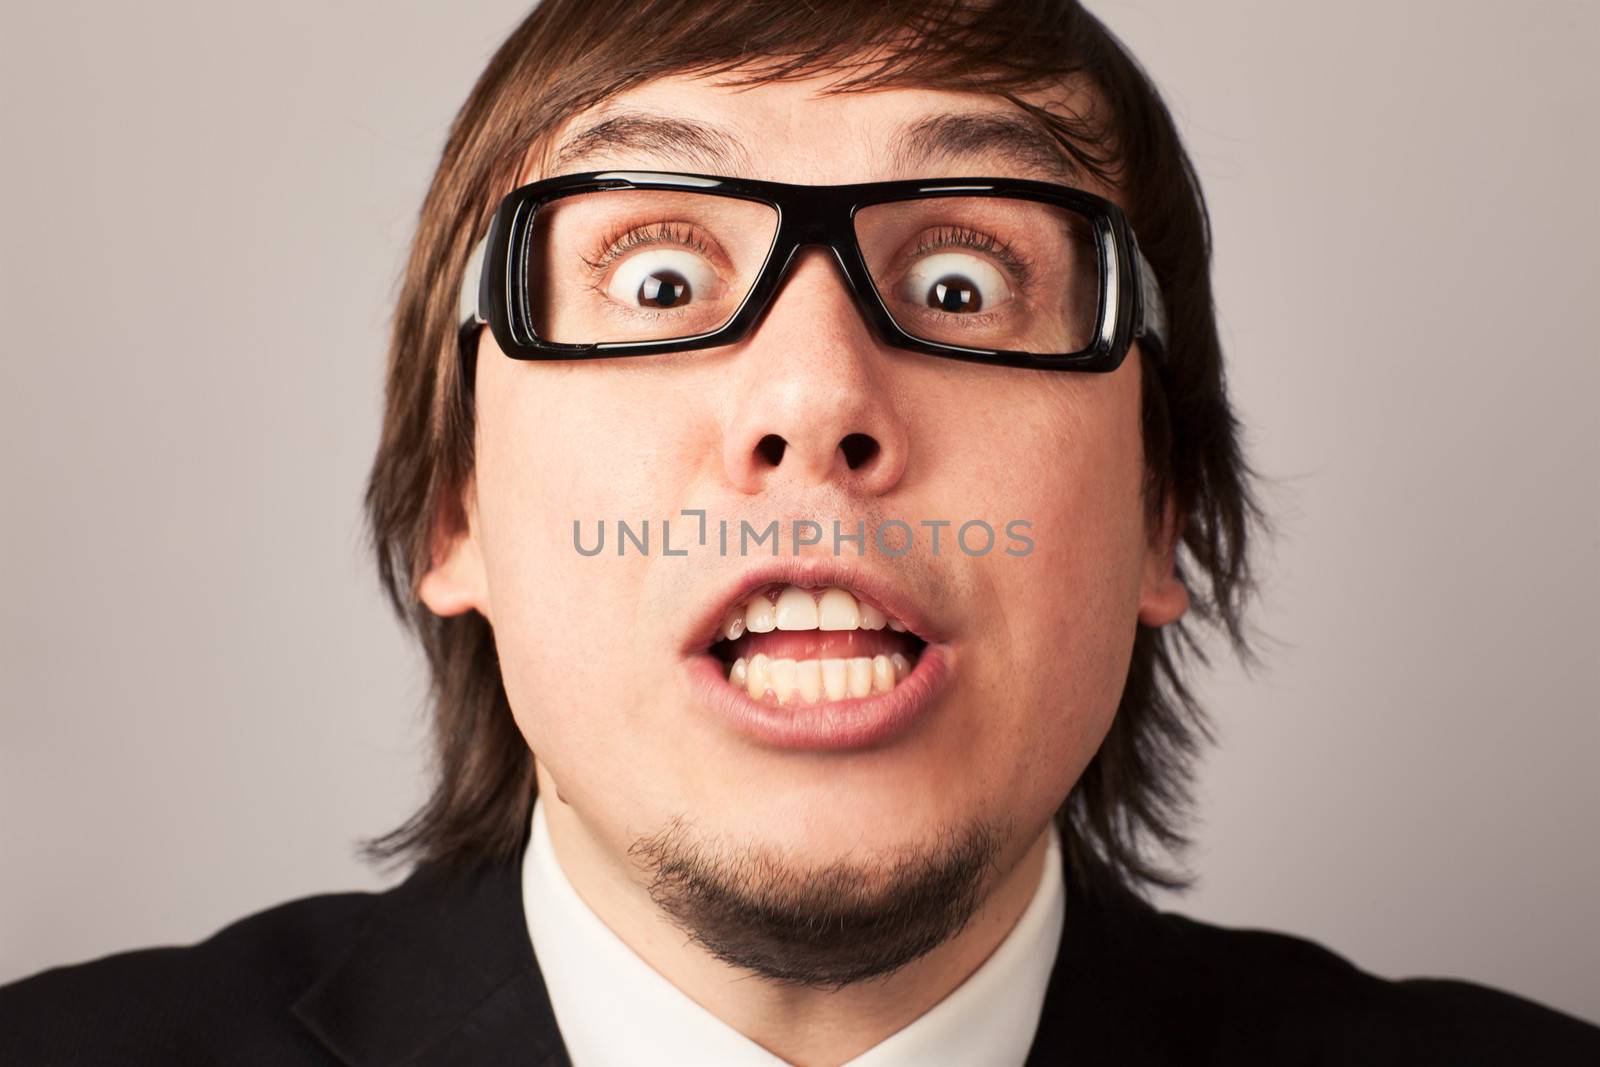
(662, 279)
(954, 282)
(985, 272)
(628, 266)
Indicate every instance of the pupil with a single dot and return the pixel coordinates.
(664, 289)
(954, 293)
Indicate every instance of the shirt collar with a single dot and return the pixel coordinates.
(615, 1010)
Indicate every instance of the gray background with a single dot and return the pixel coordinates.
(205, 702)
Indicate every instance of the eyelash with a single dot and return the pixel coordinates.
(961, 237)
(626, 239)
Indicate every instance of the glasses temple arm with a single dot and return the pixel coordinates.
(470, 303)
(1153, 309)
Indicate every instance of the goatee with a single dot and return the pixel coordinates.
(820, 926)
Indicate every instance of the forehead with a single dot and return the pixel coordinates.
(797, 131)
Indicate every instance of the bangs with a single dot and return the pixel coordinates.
(999, 48)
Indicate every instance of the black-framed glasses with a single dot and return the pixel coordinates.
(994, 270)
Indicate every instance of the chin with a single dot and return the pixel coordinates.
(825, 820)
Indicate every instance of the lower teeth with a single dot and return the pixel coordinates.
(810, 681)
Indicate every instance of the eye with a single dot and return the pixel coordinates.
(955, 282)
(663, 278)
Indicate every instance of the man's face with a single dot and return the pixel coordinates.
(604, 658)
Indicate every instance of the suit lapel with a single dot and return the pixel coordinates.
(1124, 989)
(443, 972)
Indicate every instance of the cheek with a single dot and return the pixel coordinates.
(562, 441)
(1073, 619)
(559, 445)
(1066, 610)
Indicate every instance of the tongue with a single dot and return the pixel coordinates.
(824, 644)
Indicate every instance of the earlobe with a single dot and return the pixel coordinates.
(1163, 598)
(457, 581)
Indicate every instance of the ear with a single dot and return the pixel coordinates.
(456, 581)
(1162, 597)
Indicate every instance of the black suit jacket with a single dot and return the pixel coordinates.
(440, 970)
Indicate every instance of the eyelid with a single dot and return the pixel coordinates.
(953, 236)
(622, 239)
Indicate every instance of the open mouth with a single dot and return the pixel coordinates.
(790, 645)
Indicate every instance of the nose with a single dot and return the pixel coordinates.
(812, 403)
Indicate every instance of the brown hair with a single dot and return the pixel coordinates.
(570, 54)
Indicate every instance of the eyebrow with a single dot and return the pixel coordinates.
(689, 143)
(1016, 139)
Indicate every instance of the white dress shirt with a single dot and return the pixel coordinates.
(615, 1010)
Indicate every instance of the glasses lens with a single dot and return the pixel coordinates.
(629, 265)
(985, 272)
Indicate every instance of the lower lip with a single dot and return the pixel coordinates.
(832, 725)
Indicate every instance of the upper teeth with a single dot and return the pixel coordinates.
(805, 609)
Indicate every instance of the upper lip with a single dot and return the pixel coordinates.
(814, 572)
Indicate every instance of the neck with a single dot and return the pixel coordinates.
(804, 1026)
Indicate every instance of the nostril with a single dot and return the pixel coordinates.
(770, 448)
(858, 449)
